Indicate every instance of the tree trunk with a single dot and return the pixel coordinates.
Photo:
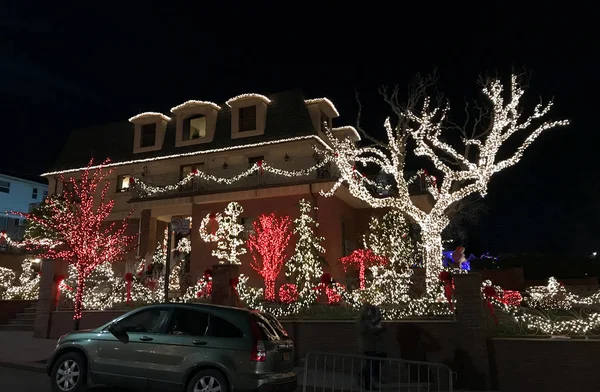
(432, 259)
(270, 289)
(78, 303)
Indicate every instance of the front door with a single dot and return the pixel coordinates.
(124, 361)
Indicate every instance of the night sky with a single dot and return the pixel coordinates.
(61, 69)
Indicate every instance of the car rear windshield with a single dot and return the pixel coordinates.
(270, 327)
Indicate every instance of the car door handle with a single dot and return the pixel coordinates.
(146, 339)
(199, 342)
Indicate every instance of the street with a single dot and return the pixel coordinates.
(24, 381)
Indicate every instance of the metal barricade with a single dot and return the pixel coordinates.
(341, 372)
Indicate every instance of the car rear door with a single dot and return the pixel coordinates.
(279, 346)
(182, 346)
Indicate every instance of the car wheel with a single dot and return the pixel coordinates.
(69, 373)
(208, 380)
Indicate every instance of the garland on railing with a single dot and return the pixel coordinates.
(260, 166)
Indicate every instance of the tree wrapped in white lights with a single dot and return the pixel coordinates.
(304, 267)
(463, 172)
(102, 288)
(230, 245)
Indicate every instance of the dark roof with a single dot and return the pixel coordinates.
(26, 177)
(287, 116)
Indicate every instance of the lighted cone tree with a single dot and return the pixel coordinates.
(463, 171)
(305, 266)
(267, 245)
(86, 237)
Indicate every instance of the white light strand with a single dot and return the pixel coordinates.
(194, 153)
(149, 114)
(230, 246)
(425, 129)
(194, 103)
(247, 96)
(326, 101)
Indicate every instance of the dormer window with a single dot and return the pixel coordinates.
(247, 118)
(325, 121)
(194, 127)
(149, 131)
(196, 122)
(148, 135)
(248, 115)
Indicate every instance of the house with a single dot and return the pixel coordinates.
(19, 193)
(223, 140)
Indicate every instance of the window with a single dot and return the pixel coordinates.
(220, 328)
(188, 322)
(325, 121)
(5, 186)
(148, 135)
(34, 193)
(17, 222)
(147, 321)
(186, 170)
(194, 127)
(45, 194)
(247, 118)
(270, 327)
(123, 183)
(253, 160)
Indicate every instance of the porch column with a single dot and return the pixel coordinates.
(147, 234)
(47, 300)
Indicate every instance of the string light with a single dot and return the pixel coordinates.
(471, 177)
(247, 96)
(325, 101)
(347, 128)
(227, 235)
(361, 259)
(149, 114)
(86, 240)
(267, 245)
(194, 153)
(192, 103)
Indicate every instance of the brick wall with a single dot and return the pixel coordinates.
(526, 365)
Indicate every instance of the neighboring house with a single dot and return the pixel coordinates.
(222, 140)
(19, 193)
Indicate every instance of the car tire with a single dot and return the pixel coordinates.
(69, 373)
(203, 378)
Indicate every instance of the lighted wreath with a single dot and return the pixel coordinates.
(213, 219)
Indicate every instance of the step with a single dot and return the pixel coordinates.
(16, 327)
(25, 316)
(30, 310)
(22, 322)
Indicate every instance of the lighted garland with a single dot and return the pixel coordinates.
(461, 175)
(260, 166)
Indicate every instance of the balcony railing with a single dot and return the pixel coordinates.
(259, 179)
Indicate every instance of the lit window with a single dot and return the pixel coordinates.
(325, 122)
(34, 193)
(148, 135)
(194, 127)
(247, 118)
(123, 183)
(4, 186)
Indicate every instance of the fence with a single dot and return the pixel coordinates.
(341, 372)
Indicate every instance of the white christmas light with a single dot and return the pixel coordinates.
(194, 153)
(227, 235)
(465, 178)
(325, 101)
(347, 128)
(149, 114)
(245, 96)
(192, 103)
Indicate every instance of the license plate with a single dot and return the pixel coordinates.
(286, 356)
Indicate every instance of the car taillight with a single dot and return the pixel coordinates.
(258, 352)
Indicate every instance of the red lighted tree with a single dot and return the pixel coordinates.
(267, 245)
(361, 259)
(84, 237)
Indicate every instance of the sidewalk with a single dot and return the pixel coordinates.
(21, 350)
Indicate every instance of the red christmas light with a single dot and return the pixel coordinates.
(288, 293)
(267, 245)
(86, 239)
(361, 259)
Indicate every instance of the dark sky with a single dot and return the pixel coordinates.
(67, 67)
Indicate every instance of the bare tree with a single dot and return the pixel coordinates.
(464, 166)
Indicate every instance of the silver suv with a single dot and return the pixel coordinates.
(178, 347)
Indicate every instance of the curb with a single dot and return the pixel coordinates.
(30, 367)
